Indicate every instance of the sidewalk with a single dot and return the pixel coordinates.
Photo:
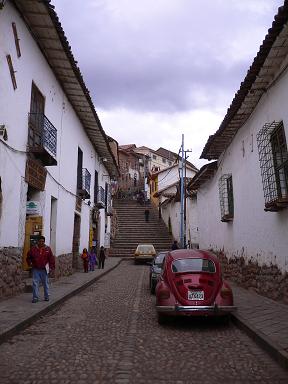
(18, 312)
(265, 320)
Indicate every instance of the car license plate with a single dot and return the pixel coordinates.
(195, 295)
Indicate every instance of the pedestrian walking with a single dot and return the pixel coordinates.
(92, 260)
(174, 245)
(102, 257)
(85, 259)
(42, 261)
(146, 213)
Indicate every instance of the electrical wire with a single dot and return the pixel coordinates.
(25, 152)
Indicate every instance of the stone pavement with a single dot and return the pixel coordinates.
(18, 312)
(265, 320)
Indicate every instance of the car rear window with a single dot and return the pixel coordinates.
(145, 249)
(193, 265)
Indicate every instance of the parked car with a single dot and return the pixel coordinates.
(191, 284)
(144, 252)
(156, 269)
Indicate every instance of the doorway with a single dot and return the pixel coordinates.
(76, 241)
(53, 221)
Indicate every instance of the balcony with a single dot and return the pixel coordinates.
(42, 139)
(83, 184)
(100, 202)
(109, 211)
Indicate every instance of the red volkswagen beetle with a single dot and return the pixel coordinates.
(191, 284)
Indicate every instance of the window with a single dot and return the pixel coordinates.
(16, 38)
(163, 160)
(79, 169)
(273, 157)
(193, 265)
(169, 163)
(226, 197)
(96, 186)
(0, 197)
(12, 72)
(154, 157)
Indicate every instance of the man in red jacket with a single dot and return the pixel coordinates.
(42, 260)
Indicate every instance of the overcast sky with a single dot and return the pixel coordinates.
(159, 68)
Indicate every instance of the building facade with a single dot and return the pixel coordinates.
(56, 164)
(131, 179)
(243, 196)
(165, 195)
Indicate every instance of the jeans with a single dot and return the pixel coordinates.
(37, 276)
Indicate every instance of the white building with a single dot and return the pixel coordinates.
(156, 161)
(56, 164)
(165, 194)
(243, 197)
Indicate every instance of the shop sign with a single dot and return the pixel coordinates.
(32, 208)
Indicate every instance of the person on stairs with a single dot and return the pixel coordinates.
(147, 213)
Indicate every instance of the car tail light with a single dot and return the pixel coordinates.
(225, 292)
(164, 294)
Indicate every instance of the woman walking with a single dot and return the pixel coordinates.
(85, 258)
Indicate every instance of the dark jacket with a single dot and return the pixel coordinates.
(102, 255)
(174, 246)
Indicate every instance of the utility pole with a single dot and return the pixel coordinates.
(183, 195)
(146, 159)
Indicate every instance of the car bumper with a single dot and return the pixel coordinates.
(212, 310)
(143, 258)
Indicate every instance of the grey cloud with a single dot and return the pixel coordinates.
(161, 61)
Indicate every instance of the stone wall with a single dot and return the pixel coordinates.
(11, 282)
(266, 280)
(114, 225)
(64, 265)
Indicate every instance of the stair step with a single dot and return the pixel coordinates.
(133, 229)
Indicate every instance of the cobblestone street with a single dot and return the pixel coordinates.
(109, 334)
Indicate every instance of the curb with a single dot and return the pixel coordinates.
(25, 323)
(272, 348)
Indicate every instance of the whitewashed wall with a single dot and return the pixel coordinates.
(253, 233)
(61, 179)
(192, 230)
(170, 176)
(172, 209)
(12, 164)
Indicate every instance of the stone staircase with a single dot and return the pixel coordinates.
(133, 229)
